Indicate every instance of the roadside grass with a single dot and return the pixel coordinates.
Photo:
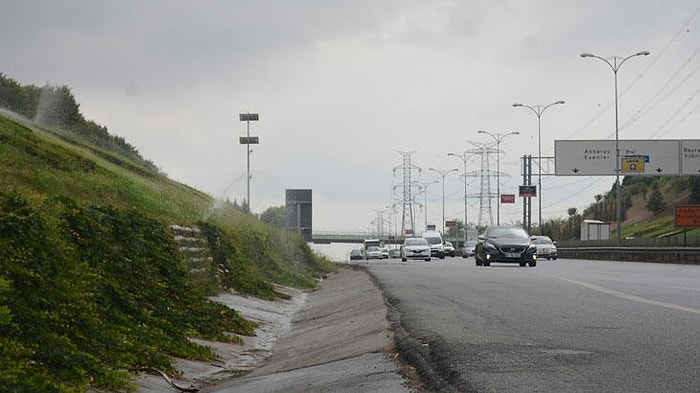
(91, 282)
(657, 227)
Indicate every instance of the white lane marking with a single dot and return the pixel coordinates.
(633, 298)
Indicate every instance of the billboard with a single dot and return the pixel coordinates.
(507, 198)
(298, 209)
(527, 191)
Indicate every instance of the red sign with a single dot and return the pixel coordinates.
(450, 223)
(409, 231)
(507, 198)
(688, 216)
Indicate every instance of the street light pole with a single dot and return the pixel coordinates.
(425, 194)
(538, 110)
(498, 137)
(615, 66)
(443, 173)
(463, 157)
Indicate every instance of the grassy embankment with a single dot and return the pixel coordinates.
(91, 280)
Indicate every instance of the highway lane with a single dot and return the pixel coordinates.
(564, 326)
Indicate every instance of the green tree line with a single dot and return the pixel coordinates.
(56, 108)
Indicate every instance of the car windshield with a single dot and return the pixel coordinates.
(415, 242)
(542, 240)
(373, 248)
(507, 233)
(433, 240)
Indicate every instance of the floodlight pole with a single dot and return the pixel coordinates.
(615, 66)
(248, 117)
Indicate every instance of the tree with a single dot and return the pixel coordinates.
(275, 216)
(693, 184)
(656, 204)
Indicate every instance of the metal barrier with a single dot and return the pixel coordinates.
(682, 255)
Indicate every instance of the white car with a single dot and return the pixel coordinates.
(546, 248)
(437, 248)
(415, 248)
(373, 252)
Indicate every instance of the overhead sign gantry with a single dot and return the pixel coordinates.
(637, 157)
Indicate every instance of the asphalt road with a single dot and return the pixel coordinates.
(564, 326)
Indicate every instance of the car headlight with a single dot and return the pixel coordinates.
(532, 248)
(489, 247)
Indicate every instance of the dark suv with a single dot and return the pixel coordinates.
(506, 244)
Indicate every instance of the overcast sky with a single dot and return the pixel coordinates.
(342, 87)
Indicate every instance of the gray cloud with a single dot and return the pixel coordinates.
(342, 86)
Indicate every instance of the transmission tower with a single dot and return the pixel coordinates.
(486, 196)
(407, 185)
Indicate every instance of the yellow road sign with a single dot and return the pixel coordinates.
(633, 165)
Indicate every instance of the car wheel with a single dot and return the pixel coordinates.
(533, 264)
(487, 263)
(404, 259)
(427, 259)
(522, 264)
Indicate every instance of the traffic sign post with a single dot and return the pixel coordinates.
(688, 216)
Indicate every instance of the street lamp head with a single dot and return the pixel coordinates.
(517, 105)
(482, 132)
(559, 102)
(587, 55)
(515, 133)
(643, 53)
(451, 154)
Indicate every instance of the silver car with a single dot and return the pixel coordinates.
(449, 249)
(415, 248)
(373, 252)
(468, 249)
(546, 248)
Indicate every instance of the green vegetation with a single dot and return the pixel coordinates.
(648, 204)
(92, 282)
(647, 208)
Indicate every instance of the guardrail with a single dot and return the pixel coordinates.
(682, 255)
